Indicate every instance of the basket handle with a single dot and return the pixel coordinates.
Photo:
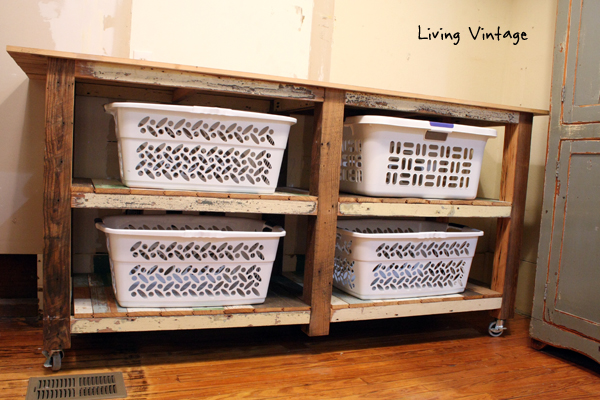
(268, 227)
(457, 226)
(436, 135)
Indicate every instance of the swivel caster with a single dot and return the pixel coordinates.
(496, 328)
(53, 359)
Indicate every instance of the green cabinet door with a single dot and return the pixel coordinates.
(566, 310)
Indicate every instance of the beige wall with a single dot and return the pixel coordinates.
(354, 42)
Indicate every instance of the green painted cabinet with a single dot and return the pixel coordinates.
(566, 311)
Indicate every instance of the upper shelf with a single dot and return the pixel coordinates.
(355, 205)
(101, 193)
(121, 71)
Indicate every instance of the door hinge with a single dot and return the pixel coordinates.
(545, 291)
(562, 95)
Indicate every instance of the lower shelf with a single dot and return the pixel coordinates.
(96, 310)
(345, 307)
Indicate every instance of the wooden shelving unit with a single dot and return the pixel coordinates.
(314, 304)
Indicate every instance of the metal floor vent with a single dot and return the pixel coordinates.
(89, 386)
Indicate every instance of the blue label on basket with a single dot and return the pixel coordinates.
(441, 124)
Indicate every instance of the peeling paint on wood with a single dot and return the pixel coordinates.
(157, 323)
(408, 310)
(383, 102)
(424, 210)
(189, 203)
(195, 80)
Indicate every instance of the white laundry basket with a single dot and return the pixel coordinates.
(187, 261)
(399, 157)
(383, 259)
(199, 148)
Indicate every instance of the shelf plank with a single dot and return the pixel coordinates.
(414, 309)
(422, 106)
(102, 193)
(119, 70)
(475, 298)
(96, 310)
(161, 323)
(345, 307)
(355, 205)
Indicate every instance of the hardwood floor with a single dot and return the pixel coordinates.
(435, 357)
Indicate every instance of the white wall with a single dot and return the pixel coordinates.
(85, 26)
(262, 36)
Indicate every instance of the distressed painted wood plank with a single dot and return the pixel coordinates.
(192, 203)
(208, 310)
(99, 304)
(336, 302)
(161, 76)
(324, 183)
(58, 159)
(33, 62)
(80, 280)
(124, 93)
(471, 292)
(143, 311)
(158, 323)
(199, 98)
(423, 210)
(181, 94)
(171, 312)
(238, 309)
(284, 299)
(273, 303)
(82, 185)
(286, 105)
(485, 292)
(109, 186)
(115, 310)
(407, 310)
(513, 188)
(190, 193)
(354, 198)
(385, 102)
(82, 302)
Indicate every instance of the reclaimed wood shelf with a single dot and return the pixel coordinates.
(345, 307)
(102, 193)
(351, 204)
(95, 309)
(68, 75)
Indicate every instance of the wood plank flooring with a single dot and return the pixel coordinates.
(430, 357)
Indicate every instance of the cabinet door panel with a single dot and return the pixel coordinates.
(573, 293)
(582, 75)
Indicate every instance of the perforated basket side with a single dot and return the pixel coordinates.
(381, 160)
(151, 284)
(175, 147)
(384, 280)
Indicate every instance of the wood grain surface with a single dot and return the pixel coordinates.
(419, 358)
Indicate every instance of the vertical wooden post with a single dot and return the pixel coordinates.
(58, 157)
(324, 183)
(507, 258)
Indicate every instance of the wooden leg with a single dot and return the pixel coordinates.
(58, 157)
(507, 257)
(324, 183)
(536, 344)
